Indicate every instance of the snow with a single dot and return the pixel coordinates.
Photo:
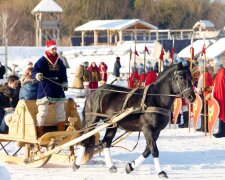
(183, 154)
(47, 6)
(216, 49)
(116, 24)
(197, 45)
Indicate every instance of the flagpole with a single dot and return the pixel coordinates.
(204, 86)
(144, 59)
(129, 64)
(189, 105)
(172, 50)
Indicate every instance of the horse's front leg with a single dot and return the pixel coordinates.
(106, 142)
(134, 164)
(145, 129)
(155, 155)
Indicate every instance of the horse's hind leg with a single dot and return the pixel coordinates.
(107, 141)
(85, 145)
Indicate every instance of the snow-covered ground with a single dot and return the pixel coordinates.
(183, 155)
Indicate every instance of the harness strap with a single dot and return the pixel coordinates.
(144, 97)
(97, 114)
(158, 110)
(128, 96)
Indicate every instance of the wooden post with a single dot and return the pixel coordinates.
(189, 105)
(204, 86)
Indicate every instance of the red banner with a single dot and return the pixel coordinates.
(196, 110)
(136, 53)
(213, 113)
(192, 51)
(203, 50)
(172, 53)
(161, 55)
(146, 50)
(176, 109)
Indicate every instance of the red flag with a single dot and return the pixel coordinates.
(146, 50)
(172, 53)
(203, 50)
(161, 55)
(130, 54)
(135, 52)
(192, 51)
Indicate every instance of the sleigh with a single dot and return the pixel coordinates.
(36, 151)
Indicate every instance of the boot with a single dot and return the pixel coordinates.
(221, 130)
(185, 118)
(40, 131)
(61, 126)
(201, 129)
(178, 119)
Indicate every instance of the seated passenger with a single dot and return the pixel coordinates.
(29, 86)
(9, 97)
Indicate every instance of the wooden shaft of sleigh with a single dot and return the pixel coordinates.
(86, 135)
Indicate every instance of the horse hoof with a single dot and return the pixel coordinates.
(162, 174)
(75, 167)
(113, 169)
(129, 168)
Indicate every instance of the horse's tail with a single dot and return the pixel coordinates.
(90, 147)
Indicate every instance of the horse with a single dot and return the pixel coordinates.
(154, 104)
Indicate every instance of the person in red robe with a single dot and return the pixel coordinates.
(133, 79)
(141, 75)
(151, 75)
(219, 95)
(95, 75)
(203, 92)
(103, 72)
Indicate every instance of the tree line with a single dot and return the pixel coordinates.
(165, 14)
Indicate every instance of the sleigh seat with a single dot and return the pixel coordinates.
(22, 123)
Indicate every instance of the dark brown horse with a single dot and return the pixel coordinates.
(154, 103)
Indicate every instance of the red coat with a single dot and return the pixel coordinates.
(103, 72)
(95, 76)
(133, 80)
(150, 77)
(141, 79)
(208, 82)
(219, 92)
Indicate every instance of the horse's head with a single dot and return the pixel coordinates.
(182, 83)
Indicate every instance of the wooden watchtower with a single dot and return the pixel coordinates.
(47, 14)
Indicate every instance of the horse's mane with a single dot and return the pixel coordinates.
(165, 73)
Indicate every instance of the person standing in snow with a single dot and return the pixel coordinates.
(50, 71)
(2, 70)
(116, 69)
(218, 94)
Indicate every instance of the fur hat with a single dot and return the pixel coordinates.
(50, 44)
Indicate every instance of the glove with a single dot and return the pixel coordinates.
(65, 87)
(39, 76)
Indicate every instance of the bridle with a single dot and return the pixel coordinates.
(181, 92)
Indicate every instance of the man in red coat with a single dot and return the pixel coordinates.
(219, 95)
(133, 79)
(141, 74)
(151, 75)
(204, 92)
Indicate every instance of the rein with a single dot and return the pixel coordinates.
(111, 90)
